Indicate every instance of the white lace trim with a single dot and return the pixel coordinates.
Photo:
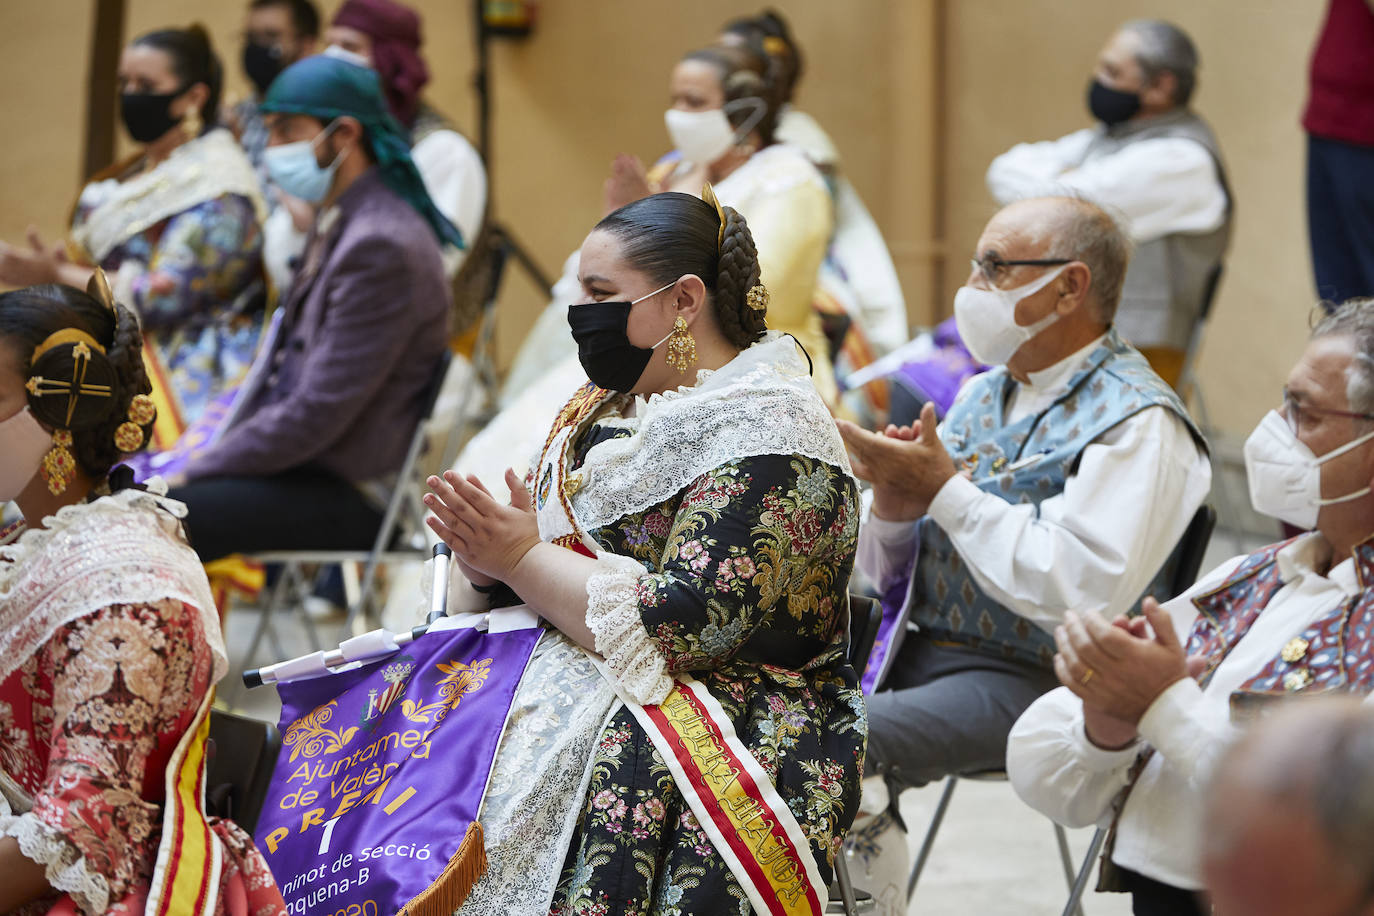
(63, 865)
(119, 549)
(201, 169)
(540, 777)
(613, 616)
(760, 403)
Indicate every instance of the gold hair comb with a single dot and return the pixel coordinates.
(708, 194)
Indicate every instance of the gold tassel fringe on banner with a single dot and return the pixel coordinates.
(451, 888)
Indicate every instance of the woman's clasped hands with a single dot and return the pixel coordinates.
(488, 539)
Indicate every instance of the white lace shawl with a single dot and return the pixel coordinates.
(762, 402)
(119, 549)
(202, 169)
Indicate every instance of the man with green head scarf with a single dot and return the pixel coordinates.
(323, 421)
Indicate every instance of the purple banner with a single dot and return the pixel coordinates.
(382, 771)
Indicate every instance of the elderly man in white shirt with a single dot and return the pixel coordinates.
(1149, 705)
(1080, 472)
(1154, 162)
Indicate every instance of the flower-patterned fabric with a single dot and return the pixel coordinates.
(745, 582)
(88, 724)
(193, 270)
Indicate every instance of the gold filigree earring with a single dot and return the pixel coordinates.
(191, 123)
(682, 347)
(59, 464)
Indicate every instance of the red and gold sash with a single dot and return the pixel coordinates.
(189, 858)
(735, 801)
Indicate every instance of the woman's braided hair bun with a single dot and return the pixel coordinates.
(736, 275)
(29, 319)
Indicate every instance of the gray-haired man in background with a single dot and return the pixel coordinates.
(1154, 163)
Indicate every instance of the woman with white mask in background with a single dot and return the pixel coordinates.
(724, 110)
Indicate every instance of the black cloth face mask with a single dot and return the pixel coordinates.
(262, 63)
(603, 342)
(147, 115)
(1112, 106)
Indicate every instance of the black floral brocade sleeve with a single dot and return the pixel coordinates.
(749, 564)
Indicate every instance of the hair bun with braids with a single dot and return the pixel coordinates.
(736, 274)
(30, 317)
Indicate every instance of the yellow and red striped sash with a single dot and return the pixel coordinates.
(734, 801)
(189, 858)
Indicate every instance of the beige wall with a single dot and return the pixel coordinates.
(592, 82)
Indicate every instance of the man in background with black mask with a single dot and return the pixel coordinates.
(277, 34)
(1158, 166)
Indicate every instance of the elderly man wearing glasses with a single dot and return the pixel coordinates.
(1150, 705)
(1061, 479)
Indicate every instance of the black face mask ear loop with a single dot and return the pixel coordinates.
(810, 366)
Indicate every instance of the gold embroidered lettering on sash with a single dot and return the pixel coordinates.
(750, 820)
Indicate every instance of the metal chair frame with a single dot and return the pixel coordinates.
(864, 616)
(403, 521)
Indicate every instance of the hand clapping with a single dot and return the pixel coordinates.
(485, 536)
(907, 465)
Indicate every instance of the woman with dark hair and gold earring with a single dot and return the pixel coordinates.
(177, 226)
(687, 533)
(109, 640)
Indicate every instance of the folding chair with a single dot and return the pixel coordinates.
(1190, 550)
(242, 753)
(439, 436)
(865, 614)
(400, 536)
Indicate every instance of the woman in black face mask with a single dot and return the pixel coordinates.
(176, 226)
(688, 534)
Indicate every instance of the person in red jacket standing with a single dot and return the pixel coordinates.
(1340, 152)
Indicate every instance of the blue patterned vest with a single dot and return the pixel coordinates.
(1335, 653)
(1026, 462)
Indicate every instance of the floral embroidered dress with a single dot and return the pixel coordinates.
(182, 244)
(108, 646)
(725, 527)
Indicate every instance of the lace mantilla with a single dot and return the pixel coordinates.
(760, 403)
(119, 549)
(533, 802)
(63, 865)
(199, 170)
(614, 619)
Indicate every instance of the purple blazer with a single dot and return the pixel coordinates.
(361, 335)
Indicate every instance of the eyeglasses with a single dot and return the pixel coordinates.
(1293, 411)
(991, 266)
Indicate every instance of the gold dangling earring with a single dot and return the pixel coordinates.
(191, 123)
(59, 464)
(682, 347)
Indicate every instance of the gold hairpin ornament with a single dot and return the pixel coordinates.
(708, 194)
(757, 298)
(129, 435)
(39, 387)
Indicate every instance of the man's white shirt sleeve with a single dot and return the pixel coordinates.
(1158, 186)
(1093, 547)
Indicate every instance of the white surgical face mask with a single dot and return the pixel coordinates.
(1285, 477)
(702, 137)
(986, 319)
(23, 443)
